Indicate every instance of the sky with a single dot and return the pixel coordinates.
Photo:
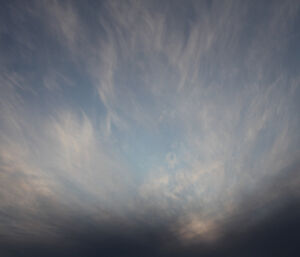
(149, 128)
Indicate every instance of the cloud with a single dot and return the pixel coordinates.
(119, 110)
(59, 160)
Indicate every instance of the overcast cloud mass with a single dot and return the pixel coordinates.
(149, 128)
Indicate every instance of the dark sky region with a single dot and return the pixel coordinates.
(149, 128)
